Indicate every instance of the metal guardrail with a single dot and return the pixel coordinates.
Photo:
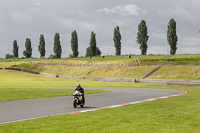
(17, 69)
(171, 81)
(112, 79)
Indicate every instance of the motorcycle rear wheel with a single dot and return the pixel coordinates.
(83, 103)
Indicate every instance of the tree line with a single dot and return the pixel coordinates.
(93, 50)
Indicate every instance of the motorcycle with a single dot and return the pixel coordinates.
(78, 99)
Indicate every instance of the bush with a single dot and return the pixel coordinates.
(71, 56)
(53, 56)
(8, 56)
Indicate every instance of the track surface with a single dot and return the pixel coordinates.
(11, 111)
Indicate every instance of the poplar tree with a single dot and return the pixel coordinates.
(89, 53)
(15, 49)
(172, 36)
(41, 46)
(57, 47)
(142, 37)
(28, 52)
(117, 41)
(93, 44)
(93, 50)
(74, 44)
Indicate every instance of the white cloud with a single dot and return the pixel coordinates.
(177, 12)
(37, 3)
(66, 22)
(123, 10)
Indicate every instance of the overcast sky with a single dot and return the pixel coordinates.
(21, 19)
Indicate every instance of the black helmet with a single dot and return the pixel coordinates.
(78, 85)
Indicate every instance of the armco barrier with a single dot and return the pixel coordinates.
(17, 69)
(29, 71)
(47, 74)
(71, 77)
(171, 81)
(112, 79)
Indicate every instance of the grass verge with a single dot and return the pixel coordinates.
(177, 72)
(9, 78)
(175, 114)
(7, 94)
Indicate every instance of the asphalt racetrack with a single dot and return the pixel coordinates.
(18, 110)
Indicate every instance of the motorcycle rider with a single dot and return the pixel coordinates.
(81, 90)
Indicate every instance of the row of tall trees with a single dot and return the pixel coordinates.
(142, 37)
(172, 38)
(93, 50)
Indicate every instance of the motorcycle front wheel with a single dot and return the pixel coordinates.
(75, 103)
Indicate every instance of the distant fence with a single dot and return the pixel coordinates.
(71, 77)
(17, 69)
(62, 76)
(171, 81)
(112, 79)
(47, 74)
(92, 78)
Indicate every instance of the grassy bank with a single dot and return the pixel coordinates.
(175, 114)
(15, 61)
(177, 72)
(116, 72)
(165, 72)
(7, 94)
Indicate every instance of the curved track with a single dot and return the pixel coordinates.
(11, 111)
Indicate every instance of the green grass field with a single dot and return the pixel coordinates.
(172, 115)
(7, 94)
(9, 78)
